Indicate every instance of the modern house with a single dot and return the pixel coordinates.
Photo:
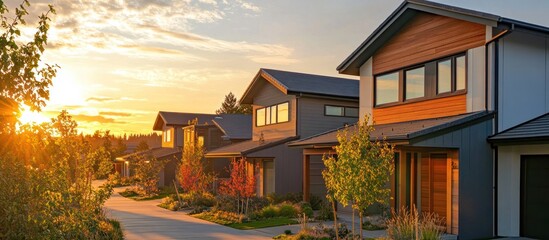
(171, 124)
(222, 130)
(464, 97)
(288, 106)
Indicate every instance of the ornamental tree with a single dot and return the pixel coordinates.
(240, 185)
(192, 176)
(362, 169)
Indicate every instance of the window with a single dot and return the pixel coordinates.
(282, 115)
(415, 83)
(387, 88)
(200, 140)
(167, 135)
(460, 73)
(272, 114)
(260, 117)
(334, 111)
(340, 111)
(444, 76)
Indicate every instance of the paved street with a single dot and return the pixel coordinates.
(144, 220)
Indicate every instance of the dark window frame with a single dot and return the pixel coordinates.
(268, 108)
(344, 111)
(431, 81)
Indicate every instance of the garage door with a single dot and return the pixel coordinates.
(317, 187)
(535, 196)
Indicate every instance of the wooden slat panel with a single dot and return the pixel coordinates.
(425, 184)
(439, 184)
(427, 37)
(440, 107)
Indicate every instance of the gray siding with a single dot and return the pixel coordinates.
(288, 167)
(269, 95)
(312, 120)
(523, 78)
(475, 176)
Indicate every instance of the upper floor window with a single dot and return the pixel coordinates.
(340, 111)
(167, 135)
(428, 80)
(414, 83)
(387, 88)
(272, 114)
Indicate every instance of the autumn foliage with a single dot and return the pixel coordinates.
(240, 185)
(193, 177)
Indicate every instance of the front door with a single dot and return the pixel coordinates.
(535, 196)
(434, 183)
(268, 177)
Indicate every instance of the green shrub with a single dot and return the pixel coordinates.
(305, 208)
(325, 213)
(269, 212)
(287, 210)
(288, 197)
(170, 203)
(288, 232)
(316, 202)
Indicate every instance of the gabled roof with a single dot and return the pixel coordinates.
(235, 126)
(401, 132)
(531, 131)
(179, 119)
(406, 11)
(302, 83)
(155, 152)
(241, 149)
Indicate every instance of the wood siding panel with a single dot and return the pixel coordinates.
(425, 185)
(268, 96)
(440, 107)
(311, 118)
(428, 37)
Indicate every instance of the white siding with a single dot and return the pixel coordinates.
(523, 79)
(509, 186)
(475, 80)
(366, 89)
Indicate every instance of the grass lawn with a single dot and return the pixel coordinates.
(263, 223)
(164, 192)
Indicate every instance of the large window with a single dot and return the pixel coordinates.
(415, 83)
(387, 88)
(340, 111)
(272, 114)
(446, 76)
(168, 135)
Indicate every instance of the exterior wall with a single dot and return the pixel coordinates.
(475, 80)
(509, 186)
(288, 167)
(439, 107)
(269, 95)
(475, 176)
(178, 137)
(523, 83)
(426, 37)
(366, 89)
(168, 144)
(311, 118)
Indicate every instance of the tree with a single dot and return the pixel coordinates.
(361, 170)
(142, 146)
(23, 80)
(147, 169)
(231, 106)
(192, 175)
(240, 185)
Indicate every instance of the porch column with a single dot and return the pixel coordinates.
(306, 177)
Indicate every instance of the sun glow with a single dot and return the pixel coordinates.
(28, 117)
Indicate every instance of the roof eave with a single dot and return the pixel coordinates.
(247, 97)
(351, 65)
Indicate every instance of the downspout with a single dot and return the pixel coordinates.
(494, 40)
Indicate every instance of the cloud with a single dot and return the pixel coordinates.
(98, 119)
(101, 99)
(116, 114)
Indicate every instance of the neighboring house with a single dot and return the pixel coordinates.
(288, 106)
(464, 96)
(222, 130)
(171, 124)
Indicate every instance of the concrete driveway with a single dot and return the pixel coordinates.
(144, 220)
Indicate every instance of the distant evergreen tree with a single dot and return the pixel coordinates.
(231, 106)
(142, 146)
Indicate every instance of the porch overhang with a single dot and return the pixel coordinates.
(402, 133)
(533, 131)
(244, 148)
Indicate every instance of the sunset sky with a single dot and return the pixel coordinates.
(123, 61)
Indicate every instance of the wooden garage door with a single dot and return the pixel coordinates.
(535, 196)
